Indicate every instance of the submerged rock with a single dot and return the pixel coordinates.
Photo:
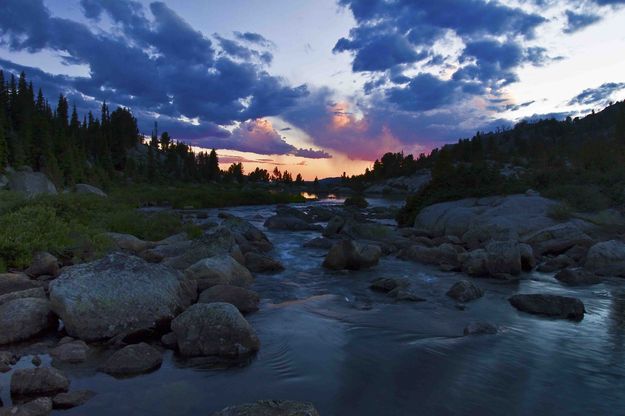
(464, 291)
(350, 255)
(259, 263)
(21, 319)
(386, 284)
(214, 329)
(549, 305)
(31, 382)
(480, 328)
(219, 270)
(133, 359)
(118, 294)
(270, 408)
(72, 399)
(70, 352)
(246, 301)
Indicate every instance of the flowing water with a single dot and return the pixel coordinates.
(328, 339)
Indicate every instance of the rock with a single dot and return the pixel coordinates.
(607, 258)
(270, 408)
(247, 235)
(31, 183)
(129, 242)
(347, 254)
(259, 263)
(36, 361)
(83, 188)
(219, 242)
(133, 359)
(21, 319)
(43, 264)
(12, 282)
(118, 294)
(317, 213)
(278, 222)
(7, 359)
(443, 255)
(31, 382)
(464, 291)
(72, 399)
(37, 292)
(319, 242)
(557, 239)
(550, 305)
(577, 277)
(528, 261)
(70, 352)
(503, 257)
(246, 301)
(334, 226)
(386, 284)
(556, 263)
(356, 201)
(474, 263)
(577, 253)
(287, 211)
(219, 270)
(214, 329)
(480, 328)
(38, 407)
(169, 341)
(403, 294)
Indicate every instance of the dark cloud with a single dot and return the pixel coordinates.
(153, 62)
(424, 92)
(578, 21)
(515, 107)
(597, 96)
(252, 37)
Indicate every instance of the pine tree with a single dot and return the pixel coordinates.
(213, 166)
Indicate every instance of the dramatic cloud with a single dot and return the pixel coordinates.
(599, 95)
(578, 21)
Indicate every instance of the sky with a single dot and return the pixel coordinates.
(321, 87)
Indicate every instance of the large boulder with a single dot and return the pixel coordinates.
(246, 301)
(31, 183)
(247, 235)
(219, 270)
(577, 276)
(133, 359)
(83, 188)
(557, 239)
(13, 282)
(290, 223)
(334, 226)
(607, 258)
(503, 257)
(21, 319)
(549, 305)
(350, 255)
(260, 263)
(220, 241)
(214, 329)
(464, 291)
(31, 382)
(118, 294)
(38, 292)
(474, 263)
(43, 264)
(270, 408)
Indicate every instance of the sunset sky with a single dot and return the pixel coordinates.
(321, 87)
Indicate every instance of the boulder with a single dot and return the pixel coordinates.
(247, 235)
(72, 399)
(219, 270)
(83, 188)
(480, 328)
(13, 282)
(31, 183)
(37, 292)
(129, 242)
(219, 242)
(557, 239)
(350, 255)
(278, 222)
(387, 284)
(556, 263)
(334, 226)
(214, 329)
(528, 261)
(31, 382)
(317, 213)
(118, 294)
(549, 305)
(246, 301)
(443, 255)
(41, 406)
(576, 276)
(169, 341)
(356, 201)
(70, 352)
(474, 263)
(607, 258)
(7, 359)
(43, 264)
(464, 291)
(270, 408)
(503, 257)
(259, 263)
(133, 359)
(21, 319)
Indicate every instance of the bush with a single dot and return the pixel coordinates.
(357, 201)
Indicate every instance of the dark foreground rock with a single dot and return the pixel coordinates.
(38, 407)
(246, 301)
(387, 284)
(270, 408)
(133, 359)
(465, 291)
(577, 277)
(72, 399)
(70, 352)
(549, 305)
(350, 255)
(260, 263)
(214, 329)
(480, 328)
(118, 294)
(21, 319)
(31, 382)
